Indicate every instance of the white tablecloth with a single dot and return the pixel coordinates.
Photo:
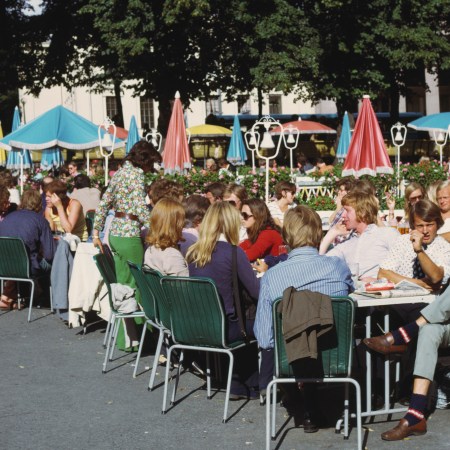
(86, 290)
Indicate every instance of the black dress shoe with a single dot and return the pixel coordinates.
(308, 425)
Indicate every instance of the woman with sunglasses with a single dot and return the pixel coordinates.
(264, 237)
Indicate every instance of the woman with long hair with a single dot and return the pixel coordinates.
(211, 256)
(166, 226)
(264, 236)
(413, 193)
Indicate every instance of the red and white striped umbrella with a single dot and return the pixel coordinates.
(176, 156)
(367, 153)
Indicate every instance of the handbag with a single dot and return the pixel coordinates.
(242, 306)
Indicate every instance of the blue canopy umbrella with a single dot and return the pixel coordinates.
(133, 134)
(236, 151)
(18, 159)
(56, 129)
(432, 122)
(344, 139)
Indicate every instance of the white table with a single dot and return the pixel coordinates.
(363, 301)
(87, 291)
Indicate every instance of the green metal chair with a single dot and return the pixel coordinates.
(147, 281)
(198, 322)
(89, 217)
(109, 277)
(336, 360)
(15, 266)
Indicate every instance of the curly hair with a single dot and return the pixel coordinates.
(144, 156)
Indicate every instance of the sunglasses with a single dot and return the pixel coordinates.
(231, 202)
(246, 216)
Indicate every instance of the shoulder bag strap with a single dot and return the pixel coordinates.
(236, 296)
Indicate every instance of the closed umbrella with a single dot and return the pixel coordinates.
(176, 155)
(51, 157)
(367, 153)
(133, 134)
(236, 151)
(344, 139)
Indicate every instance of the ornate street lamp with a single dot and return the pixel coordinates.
(155, 138)
(106, 143)
(252, 142)
(398, 136)
(440, 139)
(267, 123)
(291, 136)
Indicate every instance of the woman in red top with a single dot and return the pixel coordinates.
(264, 237)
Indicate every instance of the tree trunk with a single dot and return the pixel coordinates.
(119, 116)
(165, 111)
(395, 104)
(260, 102)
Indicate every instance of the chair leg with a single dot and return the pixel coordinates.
(208, 375)
(31, 301)
(177, 379)
(108, 326)
(51, 300)
(156, 359)
(274, 409)
(115, 332)
(166, 381)
(141, 344)
(108, 342)
(227, 394)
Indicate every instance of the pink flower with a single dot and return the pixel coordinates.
(421, 174)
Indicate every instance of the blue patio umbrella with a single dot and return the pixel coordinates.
(18, 158)
(133, 134)
(236, 151)
(344, 139)
(58, 127)
(432, 122)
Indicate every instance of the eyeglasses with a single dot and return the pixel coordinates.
(231, 202)
(246, 216)
(415, 199)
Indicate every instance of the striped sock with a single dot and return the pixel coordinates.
(416, 409)
(404, 334)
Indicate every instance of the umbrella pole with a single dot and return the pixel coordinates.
(21, 171)
(87, 162)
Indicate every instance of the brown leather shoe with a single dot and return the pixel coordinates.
(384, 344)
(403, 430)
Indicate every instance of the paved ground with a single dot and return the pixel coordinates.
(54, 396)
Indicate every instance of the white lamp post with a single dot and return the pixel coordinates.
(291, 136)
(106, 144)
(155, 138)
(252, 142)
(440, 139)
(267, 142)
(398, 136)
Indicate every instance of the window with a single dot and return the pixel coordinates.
(147, 113)
(244, 106)
(111, 107)
(214, 105)
(275, 104)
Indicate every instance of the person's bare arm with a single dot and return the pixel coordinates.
(69, 221)
(396, 278)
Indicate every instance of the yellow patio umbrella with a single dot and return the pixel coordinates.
(2, 152)
(206, 130)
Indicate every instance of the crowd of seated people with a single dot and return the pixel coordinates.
(159, 226)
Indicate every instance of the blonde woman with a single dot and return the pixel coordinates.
(211, 256)
(166, 226)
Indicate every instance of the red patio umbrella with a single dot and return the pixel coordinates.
(305, 127)
(176, 155)
(121, 133)
(367, 153)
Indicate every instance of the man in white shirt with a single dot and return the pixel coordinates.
(369, 245)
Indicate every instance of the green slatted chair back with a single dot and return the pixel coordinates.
(14, 259)
(148, 300)
(337, 344)
(106, 271)
(89, 217)
(196, 311)
(153, 279)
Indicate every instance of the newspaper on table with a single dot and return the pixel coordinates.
(403, 288)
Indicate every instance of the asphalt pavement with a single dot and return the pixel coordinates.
(54, 396)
